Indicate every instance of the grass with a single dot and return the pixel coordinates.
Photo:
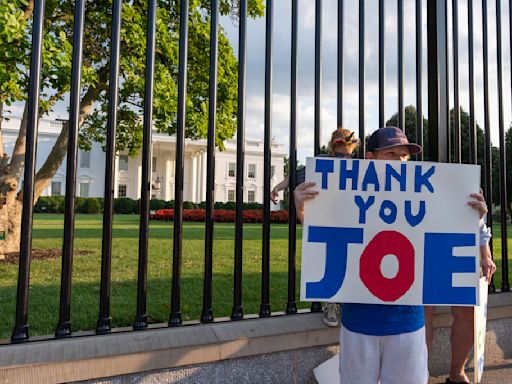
(45, 274)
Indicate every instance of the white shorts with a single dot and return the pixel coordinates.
(395, 359)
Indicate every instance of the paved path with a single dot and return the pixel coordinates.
(498, 373)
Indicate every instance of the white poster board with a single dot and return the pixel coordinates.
(480, 330)
(390, 232)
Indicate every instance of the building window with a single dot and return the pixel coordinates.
(272, 171)
(251, 171)
(56, 188)
(231, 169)
(85, 159)
(121, 190)
(153, 165)
(123, 162)
(231, 195)
(251, 196)
(84, 189)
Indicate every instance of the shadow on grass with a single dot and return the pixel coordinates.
(43, 313)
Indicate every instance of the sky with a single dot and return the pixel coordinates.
(306, 52)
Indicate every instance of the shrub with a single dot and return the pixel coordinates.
(188, 205)
(156, 204)
(124, 205)
(92, 205)
(222, 215)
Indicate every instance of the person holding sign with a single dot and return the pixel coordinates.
(463, 317)
(382, 343)
(342, 145)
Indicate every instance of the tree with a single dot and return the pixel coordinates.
(15, 39)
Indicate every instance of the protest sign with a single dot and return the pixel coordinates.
(390, 232)
(480, 331)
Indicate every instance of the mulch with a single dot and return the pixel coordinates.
(40, 254)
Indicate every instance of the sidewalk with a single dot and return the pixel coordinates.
(497, 373)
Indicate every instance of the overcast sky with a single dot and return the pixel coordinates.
(306, 49)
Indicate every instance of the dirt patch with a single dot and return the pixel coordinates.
(40, 254)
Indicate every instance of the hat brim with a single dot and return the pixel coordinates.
(414, 149)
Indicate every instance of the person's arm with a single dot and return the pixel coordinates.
(486, 262)
(274, 194)
(488, 266)
(301, 194)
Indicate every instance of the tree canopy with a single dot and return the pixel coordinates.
(15, 36)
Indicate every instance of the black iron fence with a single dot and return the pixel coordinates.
(444, 139)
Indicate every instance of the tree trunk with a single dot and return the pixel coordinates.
(10, 216)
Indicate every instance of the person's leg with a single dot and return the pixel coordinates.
(461, 341)
(429, 328)
(359, 358)
(404, 358)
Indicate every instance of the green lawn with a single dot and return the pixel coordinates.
(45, 274)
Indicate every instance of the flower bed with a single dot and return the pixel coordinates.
(222, 215)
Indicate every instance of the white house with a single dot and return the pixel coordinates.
(91, 167)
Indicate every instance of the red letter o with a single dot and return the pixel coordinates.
(382, 244)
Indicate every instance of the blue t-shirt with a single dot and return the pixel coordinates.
(382, 320)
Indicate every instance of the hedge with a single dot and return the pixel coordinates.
(125, 205)
(222, 215)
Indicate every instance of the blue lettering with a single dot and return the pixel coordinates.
(324, 166)
(400, 177)
(414, 220)
(422, 179)
(352, 174)
(363, 207)
(370, 177)
(390, 217)
(441, 264)
(336, 240)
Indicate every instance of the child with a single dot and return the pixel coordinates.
(382, 343)
(342, 144)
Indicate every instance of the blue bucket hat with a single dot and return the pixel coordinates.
(388, 137)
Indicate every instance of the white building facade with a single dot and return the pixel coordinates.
(128, 171)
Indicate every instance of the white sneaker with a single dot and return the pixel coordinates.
(332, 314)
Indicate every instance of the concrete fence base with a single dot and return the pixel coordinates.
(280, 349)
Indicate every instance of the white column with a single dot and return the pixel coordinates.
(116, 175)
(168, 181)
(138, 182)
(203, 180)
(193, 181)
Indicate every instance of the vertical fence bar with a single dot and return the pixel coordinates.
(487, 124)
(382, 64)
(437, 80)
(103, 325)
(503, 174)
(419, 74)
(237, 312)
(20, 331)
(362, 147)
(64, 324)
(265, 256)
(265, 250)
(291, 306)
(316, 306)
(341, 6)
(456, 102)
(207, 313)
(318, 75)
(141, 318)
(401, 109)
(175, 315)
(471, 58)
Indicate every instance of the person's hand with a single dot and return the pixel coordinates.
(488, 266)
(301, 194)
(274, 195)
(479, 203)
